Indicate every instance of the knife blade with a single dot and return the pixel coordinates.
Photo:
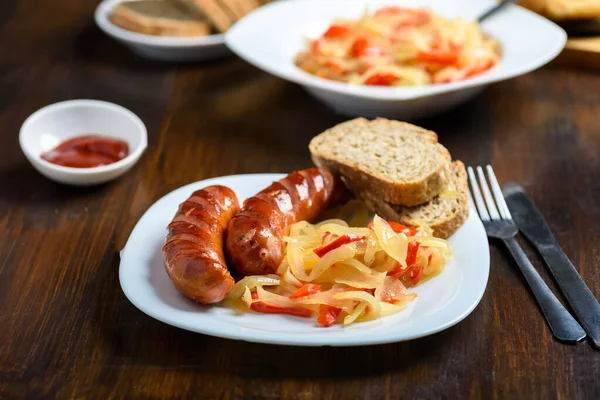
(532, 224)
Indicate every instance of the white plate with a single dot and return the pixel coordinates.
(160, 47)
(442, 302)
(271, 37)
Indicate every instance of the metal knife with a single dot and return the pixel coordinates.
(531, 223)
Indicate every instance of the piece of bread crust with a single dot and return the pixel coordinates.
(240, 8)
(444, 214)
(220, 17)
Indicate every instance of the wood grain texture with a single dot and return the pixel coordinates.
(67, 330)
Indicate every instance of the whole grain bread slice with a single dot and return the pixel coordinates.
(444, 214)
(160, 18)
(220, 17)
(394, 161)
(240, 8)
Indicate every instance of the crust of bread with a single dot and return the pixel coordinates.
(409, 193)
(240, 8)
(220, 17)
(444, 226)
(148, 25)
(560, 10)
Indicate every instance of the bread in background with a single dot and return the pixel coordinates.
(222, 14)
(560, 10)
(160, 18)
(219, 17)
(240, 8)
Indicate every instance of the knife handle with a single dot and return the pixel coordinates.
(561, 322)
(577, 293)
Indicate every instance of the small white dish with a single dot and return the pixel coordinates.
(273, 35)
(53, 124)
(443, 301)
(159, 47)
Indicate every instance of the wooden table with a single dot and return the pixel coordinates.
(67, 330)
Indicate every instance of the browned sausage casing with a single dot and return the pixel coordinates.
(193, 253)
(255, 243)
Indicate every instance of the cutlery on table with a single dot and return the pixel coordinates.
(498, 224)
(533, 226)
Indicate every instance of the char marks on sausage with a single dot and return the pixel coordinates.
(193, 253)
(255, 243)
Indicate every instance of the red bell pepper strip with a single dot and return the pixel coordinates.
(328, 314)
(269, 309)
(411, 260)
(305, 290)
(399, 228)
(334, 66)
(315, 47)
(411, 257)
(362, 47)
(397, 271)
(387, 297)
(438, 57)
(415, 274)
(480, 68)
(337, 31)
(407, 230)
(417, 19)
(345, 239)
(381, 80)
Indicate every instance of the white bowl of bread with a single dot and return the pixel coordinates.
(399, 170)
(172, 30)
(272, 37)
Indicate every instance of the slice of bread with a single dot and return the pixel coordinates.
(561, 10)
(394, 161)
(240, 8)
(159, 18)
(218, 15)
(444, 214)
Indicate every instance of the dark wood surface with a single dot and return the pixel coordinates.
(67, 330)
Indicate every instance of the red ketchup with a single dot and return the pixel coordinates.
(87, 151)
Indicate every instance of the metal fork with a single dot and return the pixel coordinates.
(498, 224)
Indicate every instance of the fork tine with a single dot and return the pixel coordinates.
(483, 214)
(489, 200)
(502, 207)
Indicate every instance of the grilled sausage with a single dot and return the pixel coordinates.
(255, 243)
(193, 253)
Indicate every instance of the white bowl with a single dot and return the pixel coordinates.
(271, 36)
(49, 126)
(160, 47)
